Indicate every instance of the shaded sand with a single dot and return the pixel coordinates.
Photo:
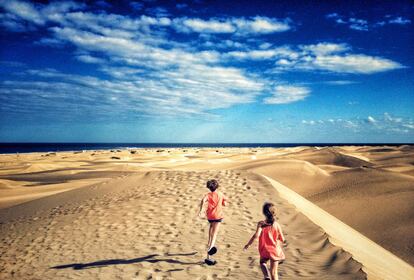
(144, 226)
(378, 262)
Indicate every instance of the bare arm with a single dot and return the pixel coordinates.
(255, 236)
(203, 200)
(225, 199)
(281, 236)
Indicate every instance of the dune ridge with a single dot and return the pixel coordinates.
(377, 262)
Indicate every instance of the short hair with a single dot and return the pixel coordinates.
(212, 185)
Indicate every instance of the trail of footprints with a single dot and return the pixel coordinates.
(152, 231)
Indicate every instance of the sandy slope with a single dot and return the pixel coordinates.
(378, 263)
(144, 226)
(369, 188)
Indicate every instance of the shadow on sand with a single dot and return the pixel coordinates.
(150, 258)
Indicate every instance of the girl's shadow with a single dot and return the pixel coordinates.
(150, 258)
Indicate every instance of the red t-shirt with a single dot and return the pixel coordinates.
(216, 201)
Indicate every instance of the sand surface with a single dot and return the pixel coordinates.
(144, 226)
(131, 214)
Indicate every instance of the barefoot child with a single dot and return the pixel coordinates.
(216, 200)
(270, 242)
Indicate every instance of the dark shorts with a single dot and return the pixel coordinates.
(215, 221)
(265, 260)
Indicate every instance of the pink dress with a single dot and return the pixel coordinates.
(270, 243)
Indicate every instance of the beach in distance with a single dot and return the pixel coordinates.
(131, 213)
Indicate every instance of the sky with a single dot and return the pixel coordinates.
(207, 71)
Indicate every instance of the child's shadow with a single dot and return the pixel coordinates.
(150, 258)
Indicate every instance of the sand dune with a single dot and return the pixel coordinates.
(377, 262)
(371, 189)
(145, 226)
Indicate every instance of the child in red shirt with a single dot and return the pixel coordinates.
(270, 237)
(216, 200)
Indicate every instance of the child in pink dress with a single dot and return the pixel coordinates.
(216, 200)
(271, 239)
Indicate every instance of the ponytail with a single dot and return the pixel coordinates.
(269, 210)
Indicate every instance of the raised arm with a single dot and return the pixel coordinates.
(255, 236)
(203, 200)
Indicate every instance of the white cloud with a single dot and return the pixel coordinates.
(371, 120)
(90, 59)
(23, 10)
(240, 26)
(325, 48)
(358, 24)
(148, 72)
(410, 126)
(261, 25)
(350, 124)
(375, 124)
(287, 94)
(363, 25)
(323, 56)
(284, 52)
(332, 15)
(351, 63)
(36, 13)
(352, 23)
(389, 118)
(340, 82)
(399, 20)
(203, 26)
(311, 122)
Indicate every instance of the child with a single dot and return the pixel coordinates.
(216, 200)
(270, 238)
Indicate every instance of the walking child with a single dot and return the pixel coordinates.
(216, 200)
(271, 239)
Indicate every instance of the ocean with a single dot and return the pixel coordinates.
(10, 148)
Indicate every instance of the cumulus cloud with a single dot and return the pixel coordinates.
(142, 68)
(350, 63)
(145, 71)
(19, 12)
(287, 94)
(325, 48)
(240, 26)
(323, 56)
(204, 26)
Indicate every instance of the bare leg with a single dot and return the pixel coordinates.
(273, 270)
(264, 269)
(210, 235)
(215, 228)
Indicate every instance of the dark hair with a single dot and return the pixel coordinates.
(269, 210)
(212, 185)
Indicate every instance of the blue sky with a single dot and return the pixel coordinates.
(206, 71)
